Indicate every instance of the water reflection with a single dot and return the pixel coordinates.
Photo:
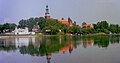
(48, 45)
(88, 42)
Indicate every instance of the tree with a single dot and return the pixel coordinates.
(1, 28)
(114, 28)
(103, 25)
(27, 23)
(75, 29)
(23, 23)
(30, 23)
(95, 26)
(42, 23)
(7, 27)
(53, 25)
(12, 26)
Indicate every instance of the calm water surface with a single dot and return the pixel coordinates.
(60, 49)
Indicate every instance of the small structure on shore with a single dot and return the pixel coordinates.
(36, 28)
(19, 31)
(87, 26)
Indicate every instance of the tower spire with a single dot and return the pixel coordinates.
(47, 16)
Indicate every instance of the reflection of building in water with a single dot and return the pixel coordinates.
(24, 41)
(48, 57)
(88, 42)
(68, 48)
(37, 42)
(19, 41)
(7, 42)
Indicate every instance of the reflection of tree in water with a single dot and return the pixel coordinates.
(54, 44)
(48, 57)
(101, 41)
(104, 41)
(114, 39)
(29, 50)
(6, 46)
(48, 46)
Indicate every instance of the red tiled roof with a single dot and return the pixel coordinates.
(87, 26)
(64, 22)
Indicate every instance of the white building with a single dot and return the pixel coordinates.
(22, 31)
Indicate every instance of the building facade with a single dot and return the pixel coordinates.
(66, 22)
(36, 28)
(87, 26)
(19, 31)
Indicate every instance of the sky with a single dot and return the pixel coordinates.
(89, 11)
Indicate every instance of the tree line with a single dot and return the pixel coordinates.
(103, 27)
(56, 27)
(7, 27)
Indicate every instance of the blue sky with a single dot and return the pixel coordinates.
(89, 11)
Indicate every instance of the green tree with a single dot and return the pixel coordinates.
(42, 23)
(30, 23)
(23, 23)
(114, 28)
(54, 26)
(75, 29)
(27, 23)
(9, 26)
(12, 26)
(1, 28)
(103, 25)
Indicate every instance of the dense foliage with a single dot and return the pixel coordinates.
(102, 27)
(7, 27)
(55, 27)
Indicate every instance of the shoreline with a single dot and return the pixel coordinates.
(7, 36)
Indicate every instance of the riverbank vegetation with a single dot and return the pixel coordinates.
(53, 27)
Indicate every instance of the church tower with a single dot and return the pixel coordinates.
(70, 22)
(47, 16)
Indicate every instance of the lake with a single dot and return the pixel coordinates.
(60, 49)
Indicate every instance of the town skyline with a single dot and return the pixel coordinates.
(79, 10)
